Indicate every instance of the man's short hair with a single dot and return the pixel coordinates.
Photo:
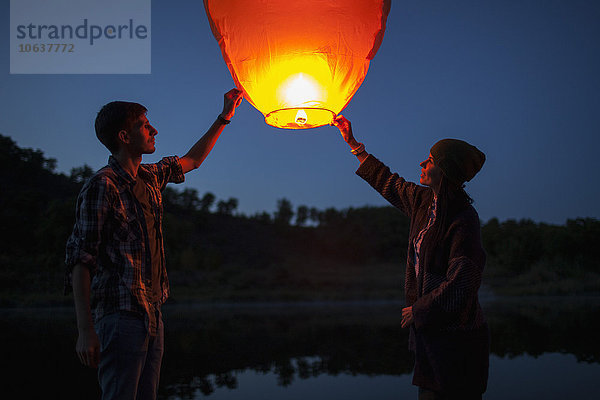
(114, 117)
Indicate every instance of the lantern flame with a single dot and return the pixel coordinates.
(300, 90)
(301, 117)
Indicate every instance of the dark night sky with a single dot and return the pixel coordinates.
(517, 78)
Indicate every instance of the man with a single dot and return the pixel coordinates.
(117, 240)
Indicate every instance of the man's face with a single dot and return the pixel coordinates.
(141, 136)
(430, 174)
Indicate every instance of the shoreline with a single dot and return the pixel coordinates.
(485, 299)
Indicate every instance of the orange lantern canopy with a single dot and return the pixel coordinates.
(299, 62)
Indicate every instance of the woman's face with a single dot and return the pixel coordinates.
(430, 174)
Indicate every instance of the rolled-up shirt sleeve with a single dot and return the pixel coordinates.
(91, 212)
(167, 170)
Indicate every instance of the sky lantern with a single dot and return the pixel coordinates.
(299, 62)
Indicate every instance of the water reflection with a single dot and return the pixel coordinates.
(260, 386)
(291, 342)
(212, 350)
(534, 326)
(296, 342)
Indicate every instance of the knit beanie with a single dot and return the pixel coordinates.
(459, 160)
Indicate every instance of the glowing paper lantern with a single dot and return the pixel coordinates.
(299, 62)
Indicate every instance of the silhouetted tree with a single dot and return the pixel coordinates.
(284, 213)
(263, 217)
(331, 217)
(207, 202)
(227, 207)
(81, 174)
(302, 215)
(189, 200)
(314, 215)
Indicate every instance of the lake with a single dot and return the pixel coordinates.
(543, 347)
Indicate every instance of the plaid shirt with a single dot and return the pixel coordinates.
(110, 237)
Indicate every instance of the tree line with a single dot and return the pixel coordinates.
(296, 252)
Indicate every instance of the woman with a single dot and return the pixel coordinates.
(448, 332)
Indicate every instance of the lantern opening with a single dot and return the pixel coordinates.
(299, 118)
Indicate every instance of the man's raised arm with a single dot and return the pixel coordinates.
(199, 151)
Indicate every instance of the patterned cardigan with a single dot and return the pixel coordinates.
(449, 336)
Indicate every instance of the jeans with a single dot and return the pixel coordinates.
(130, 358)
